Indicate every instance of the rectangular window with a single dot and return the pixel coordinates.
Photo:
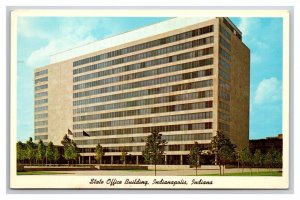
(41, 80)
(224, 106)
(146, 45)
(42, 137)
(224, 64)
(224, 74)
(38, 109)
(41, 87)
(45, 71)
(41, 94)
(225, 44)
(225, 54)
(225, 33)
(41, 123)
(40, 116)
(41, 101)
(224, 116)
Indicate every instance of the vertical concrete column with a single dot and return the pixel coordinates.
(216, 159)
(111, 160)
(89, 159)
(181, 159)
(166, 159)
(79, 160)
(137, 159)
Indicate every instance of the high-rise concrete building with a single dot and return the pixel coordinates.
(186, 77)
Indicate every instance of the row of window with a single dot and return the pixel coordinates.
(45, 71)
(41, 101)
(225, 44)
(171, 108)
(40, 116)
(161, 90)
(121, 60)
(146, 45)
(224, 74)
(165, 128)
(41, 137)
(187, 137)
(41, 130)
(231, 28)
(224, 116)
(41, 80)
(41, 87)
(41, 123)
(224, 106)
(42, 108)
(169, 138)
(150, 82)
(175, 147)
(184, 56)
(143, 102)
(224, 64)
(224, 85)
(163, 70)
(224, 127)
(186, 147)
(224, 95)
(183, 117)
(41, 94)
(225, 33)
(225, 54)
(151, 63)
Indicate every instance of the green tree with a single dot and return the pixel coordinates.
(258, 159)
(99, 153)
(278, 158)
(21, 152)
(195, 157)
(272, 158)
(41, 151)
(30, 150)
(123, 155)
(71, 152)
(246, 159)
(223, 150)
(154, 149)
(56, 154)
(50, 152)
(66, 140)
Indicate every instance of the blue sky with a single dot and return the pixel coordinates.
(39, 37)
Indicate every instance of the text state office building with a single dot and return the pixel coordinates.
(186, 77)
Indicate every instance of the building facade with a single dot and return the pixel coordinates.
(185, 77)
(266, 144)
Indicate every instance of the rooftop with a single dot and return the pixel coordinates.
(137, 34)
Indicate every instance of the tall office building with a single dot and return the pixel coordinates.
(186, 77)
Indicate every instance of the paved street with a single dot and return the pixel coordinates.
(164, 172)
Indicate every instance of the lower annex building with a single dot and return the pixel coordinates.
(186, 77)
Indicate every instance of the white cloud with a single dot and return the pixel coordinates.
(268, 91)
(29, 28)
(69, 33)
(244, 25)
(41, 56)
(255, 58)
(249, 27)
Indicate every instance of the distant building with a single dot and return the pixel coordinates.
(266, 144)
(185, 77)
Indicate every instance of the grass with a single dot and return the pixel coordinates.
(40, 173)
(265, 173)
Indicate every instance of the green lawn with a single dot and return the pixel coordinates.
(254, 173)
(40, 173)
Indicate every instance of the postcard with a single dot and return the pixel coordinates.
(149, 99)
